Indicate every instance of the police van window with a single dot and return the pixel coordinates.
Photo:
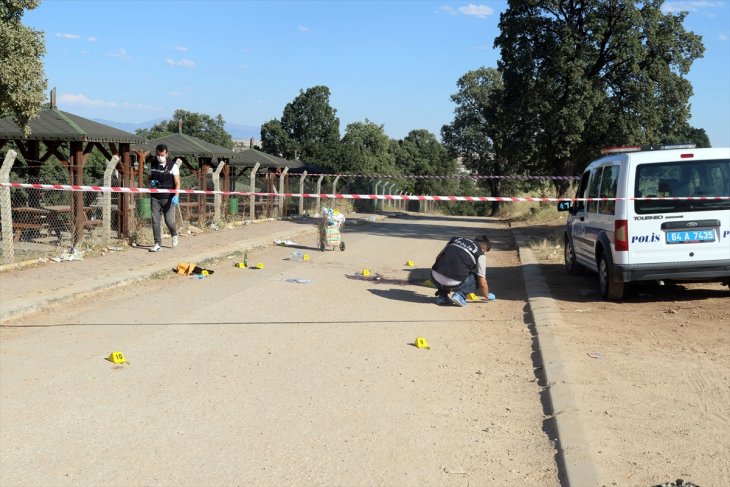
(609, 182)
(593, 187)
(682, 179)
(580, 205)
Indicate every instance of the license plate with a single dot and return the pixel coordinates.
(690, 236)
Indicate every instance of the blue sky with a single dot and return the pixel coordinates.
(394, 63)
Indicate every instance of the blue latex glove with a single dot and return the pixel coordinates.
(491, 297)
(175, 200)
(153, 183)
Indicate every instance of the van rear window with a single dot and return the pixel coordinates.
(683, 178)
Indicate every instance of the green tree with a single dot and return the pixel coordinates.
(689, 135)
(312, 123)
(275, 140)
(366, 149)
(198, 125)
(582, 75)
(421, 154)
(478, 133)
(22, 78)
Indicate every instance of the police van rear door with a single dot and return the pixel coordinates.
(680, 230)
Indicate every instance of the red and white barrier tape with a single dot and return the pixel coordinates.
(458, 176)
(396, 197)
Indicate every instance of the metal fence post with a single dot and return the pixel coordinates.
(6, 211)
(252, 190)
(217, 198)
(375, 201)
(301, 191)
(282, 198)
(106, 200)
(319, 191)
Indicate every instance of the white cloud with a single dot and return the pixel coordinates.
(484, 47)
(304, 29)
(481, 11)
(71, 99)
(689, 6)
(67, 36)
(722, 37)
(92, 39)
(183, 63)
(447, 9)
(120, 54)
(180, 48)
(174, 93)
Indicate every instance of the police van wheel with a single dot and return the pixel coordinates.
(611, 288)
(571, 265)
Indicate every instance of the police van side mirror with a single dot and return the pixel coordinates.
(564, 206)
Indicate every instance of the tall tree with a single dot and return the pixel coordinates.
(22, 78)
(584, 74)
(690, 135)
(365, 148)
(421, 154)
(198, 125)
(477, 134)
(312, 123)
(275, 140)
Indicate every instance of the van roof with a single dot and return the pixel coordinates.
(669, 155)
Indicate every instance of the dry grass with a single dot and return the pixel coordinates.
(548, 249)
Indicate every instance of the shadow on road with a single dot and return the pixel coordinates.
(403, 295)
(583, 288)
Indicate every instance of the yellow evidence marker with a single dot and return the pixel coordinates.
(306, 257)
(117, 358)
(365, 272)
(410, 263)
(422, 343)
(260, 265)
(472, 297)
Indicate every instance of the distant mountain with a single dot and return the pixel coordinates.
(129, 127)
(236, 130)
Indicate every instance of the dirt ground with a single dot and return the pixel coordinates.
(244, 378)
(652, 373)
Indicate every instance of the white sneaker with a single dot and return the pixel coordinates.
(155, 248)
(174, 241)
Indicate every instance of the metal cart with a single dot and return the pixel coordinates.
(330, 234)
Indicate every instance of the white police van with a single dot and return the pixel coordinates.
(666, 240)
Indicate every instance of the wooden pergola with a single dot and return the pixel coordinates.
(71, 139)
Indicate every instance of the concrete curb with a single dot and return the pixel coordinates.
(574, 451)
(95, 286)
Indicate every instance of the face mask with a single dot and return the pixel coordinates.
(161, 159)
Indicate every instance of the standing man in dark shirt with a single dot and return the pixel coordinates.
(164, 174)
(461, 267)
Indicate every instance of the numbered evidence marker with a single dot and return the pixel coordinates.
(365, 272)
(410, 263)
(117, 358)
(422, 343)
(472, 297)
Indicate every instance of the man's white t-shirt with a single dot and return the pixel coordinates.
(175, 171)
